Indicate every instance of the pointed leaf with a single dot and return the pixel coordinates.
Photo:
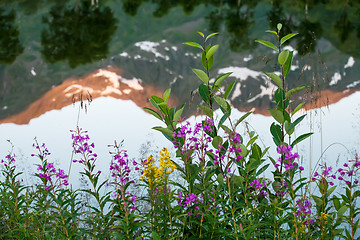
(287, 37)
(154, 113)
(211, 51)
(208, 111)
(221, 102)
(242, 118)
(201, 34)
(342, 210)
(277, 115)
(279, 26)
(283, 57)
(166, 94)
(276, 132)
(287, 64)
(157, 99)
(298, 108)
(165, 131)
(268, 44)
(204, 93)
(270, 31)
(229, 89)
(294, 90)
(300, 138)
(202, 75)
(194, 44)
(211, 35)
(178, 113)
(275, 78)
(220, 79)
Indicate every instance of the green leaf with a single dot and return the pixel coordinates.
(202, 75)
(229, 89)
(294, 90)
(216, 142)
(165, 131)
(220, 79)
(211, 51)
(155, 236)
(164, 108)
(154, 113)
(204, 93)
(211, 35)
(287, 64)
(275, 78)
(336, 202)
(225, 128)
(276, 132)
(208, 111)
(270, 31)
(154, 103)
(268, 44)
(289, 127)
(194, 44)
(330, 190)
(298, 108)
(178, 113)
(300, 138)
(201, 34)
(287, 37)
(277, 115)
(221, 102)
(279, 26)
(342, 210)
(283, 57)
(166, 94)
(157, 99)
(242, 118)
(261, 170)
(317, 200)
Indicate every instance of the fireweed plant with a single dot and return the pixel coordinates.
(220, 191)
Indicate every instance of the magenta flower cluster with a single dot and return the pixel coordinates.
(324, 174)
(120, 165)
(348, 173)
(47, 170)
(287, 160)
(304, 210)
(258, 185)
(190, 201)
(194, 139)
(9, 159)
(82, 146)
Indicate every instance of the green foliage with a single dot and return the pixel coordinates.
(220, 191)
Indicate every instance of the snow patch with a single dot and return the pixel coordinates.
(132, 83)
(290, 48)
(248, 58)
(4, 108)
(335, 79)
(350, 62)
(174, 48)
(148, 46)
(237, 91)
(241, 73)
(127, 91)
(307, 67)
(124, 54)
(264, 91)
(353, 84)
(33, 71)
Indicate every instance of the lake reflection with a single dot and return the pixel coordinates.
(50, 45)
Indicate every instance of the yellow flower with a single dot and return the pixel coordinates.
(323, 218)
(154, 174)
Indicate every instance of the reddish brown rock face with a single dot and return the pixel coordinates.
(102, 83)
